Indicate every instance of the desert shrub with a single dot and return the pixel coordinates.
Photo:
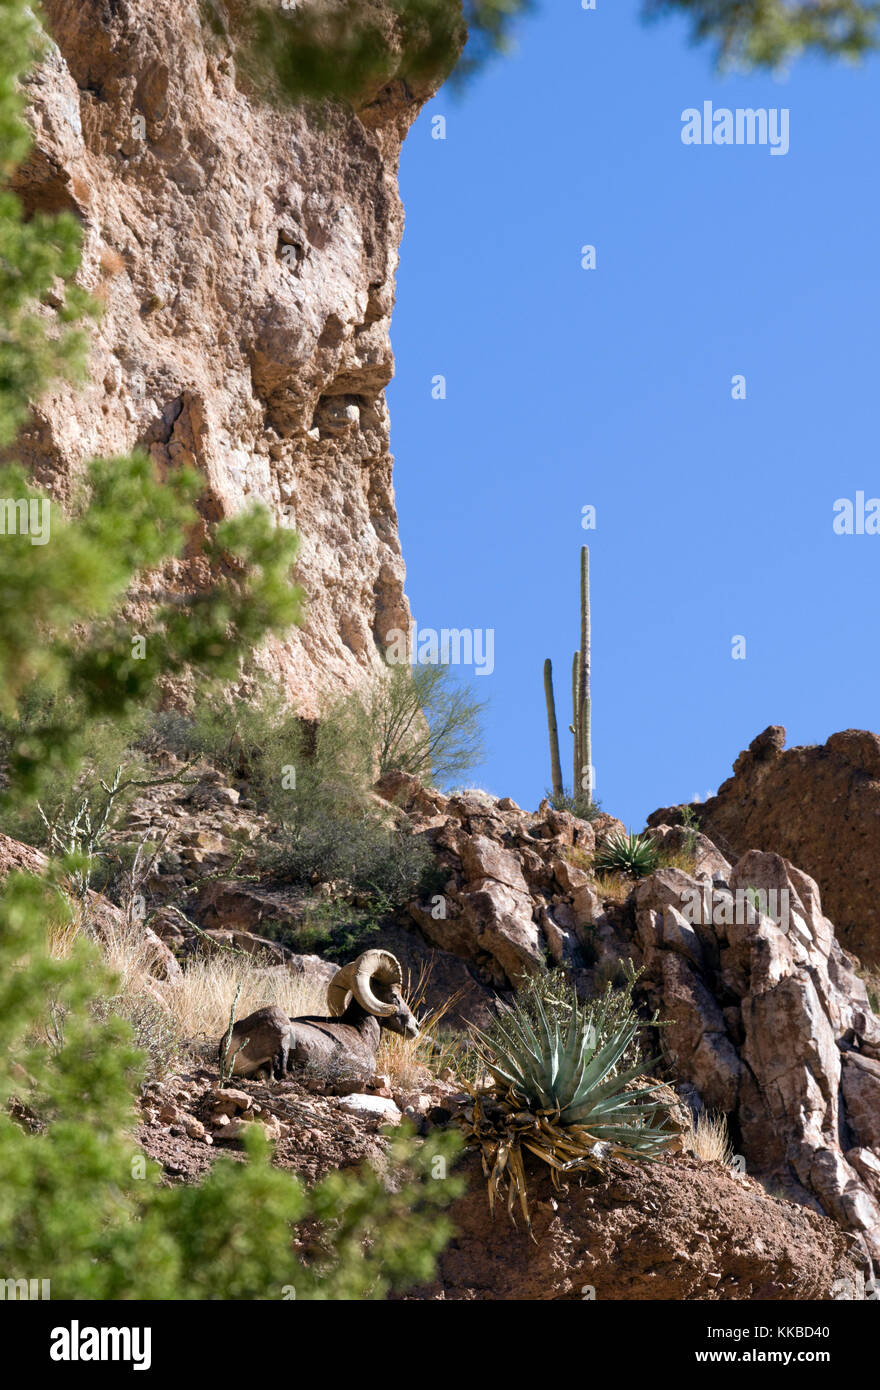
(98, 747)
(387, 864)
(708, 1138)
(419, 720)
(683, 859)
(585, 808)
(155, 1031)
(313, 781)
(632, 855)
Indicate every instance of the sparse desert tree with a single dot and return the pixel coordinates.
(420, 720)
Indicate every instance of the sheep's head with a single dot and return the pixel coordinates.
(375, 980)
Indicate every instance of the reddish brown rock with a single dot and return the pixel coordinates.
(676, 1229)
(817, 806)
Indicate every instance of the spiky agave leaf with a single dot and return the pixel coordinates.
(558, 1095)
(572, 1076)
(636, 855)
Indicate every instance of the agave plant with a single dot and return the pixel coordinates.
(556, 1092)
(636, 855)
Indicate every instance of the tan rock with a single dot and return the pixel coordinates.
(246, 321)
(483, 858)
(861, 1094)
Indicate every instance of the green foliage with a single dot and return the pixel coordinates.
(569, 1069)
(385, 863)
(578, 805)
(351, 49)
(768, 33)
(691, 822)
(314, 782)
(635, 855)
(97, 748)
(418, 720)
(61, 624)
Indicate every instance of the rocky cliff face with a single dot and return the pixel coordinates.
(246, 258)
(766, 1019)
(817, 806)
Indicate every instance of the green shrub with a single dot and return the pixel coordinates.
(578, 805)
(419, 720)
(313, 782)
(633, 855)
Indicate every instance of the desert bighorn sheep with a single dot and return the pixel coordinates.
(338, 1052)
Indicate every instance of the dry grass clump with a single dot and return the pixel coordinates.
(578, 856)
(614, 887)
(202, 997)
(708, 1138)
(683, 859)
(173, 1019)
(408, 1062)
(62, 935)
(870, 974)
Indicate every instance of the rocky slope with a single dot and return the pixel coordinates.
(246, 259)
(766, 1020)
(819, 807)
(678, 1228)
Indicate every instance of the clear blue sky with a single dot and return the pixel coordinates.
(612, 387)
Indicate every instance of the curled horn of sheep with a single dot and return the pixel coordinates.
(337, 1052)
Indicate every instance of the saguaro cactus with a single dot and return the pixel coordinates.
(581, 704)
(583, 717)
(553, 730)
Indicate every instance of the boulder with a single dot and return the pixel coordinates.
(818, 807)
(380, 1107)
(861, 1094)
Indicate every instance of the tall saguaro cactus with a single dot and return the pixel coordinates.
(581, 704)
(553, 730)
(583, 716)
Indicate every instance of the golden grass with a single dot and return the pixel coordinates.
(201, 999)
(578, 856)
(409, 1062)
(617, 887)
(683, 859)
(708, 1138)
(870, 975)
(61, 936)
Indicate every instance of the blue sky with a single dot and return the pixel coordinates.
(612, 388)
